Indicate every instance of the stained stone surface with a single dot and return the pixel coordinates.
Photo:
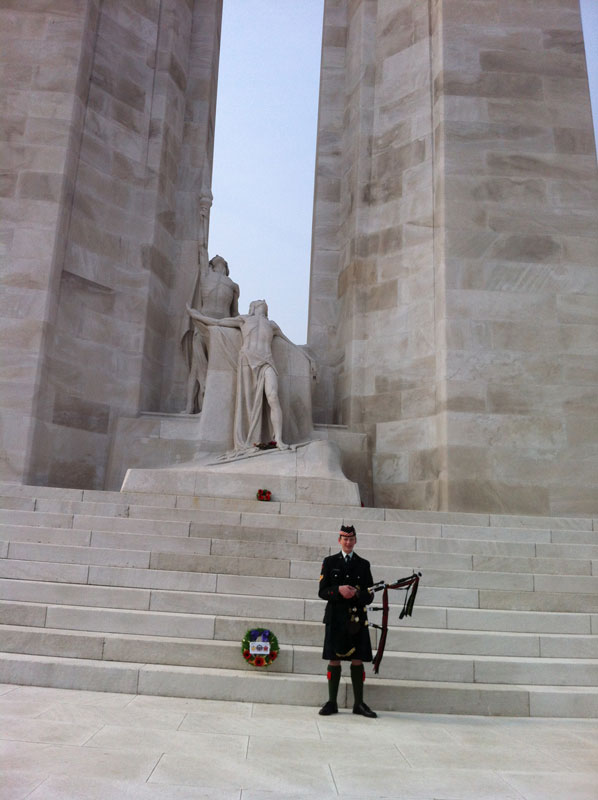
(66, 745)
(45, 63)
(454, 297)
(308, 473)
(108, 112)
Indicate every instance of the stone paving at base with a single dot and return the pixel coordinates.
(59, 744)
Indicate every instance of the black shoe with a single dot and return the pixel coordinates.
(364, 710)
(330, 707)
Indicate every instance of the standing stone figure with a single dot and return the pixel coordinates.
(257, 376)
(218, 297)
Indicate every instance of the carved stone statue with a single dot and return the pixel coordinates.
(257, 376)
(217, 296)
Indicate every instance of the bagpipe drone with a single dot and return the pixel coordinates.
(410, 585)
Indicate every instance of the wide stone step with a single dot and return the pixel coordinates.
(539, 601)
(91, 507)
(59, 544)
(272, 687)
(186, 544)
(567, 551)
(317, 553)
(12, 568)
(536, 565)
(123, 599)
(474, 579)
(73, 594)
(89, 594)
(225, 565)
(30, 494)
(33, 518)
(233, 565)
(18, 536)
(477, 619)
(24, 490)
(491, 643)
(297, 587)
(126, 588)
(221, 524)
(156, 543)
(325, 526)
(81, 585)
(175, 651)
(75, 554)
(164, 566)
(103, 540)
(128, 525)
(21, 612)
(44, 535)
(18, 503)
(536, 535)
(504, 543)
(540, 566)
(468, 632)
(521, 621)
(426, 667)
(299, 509)
(163, 623)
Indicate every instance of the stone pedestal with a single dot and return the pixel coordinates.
(311, 473)
(157, 442)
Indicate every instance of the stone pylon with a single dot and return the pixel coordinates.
(454, 286)
(108, 126)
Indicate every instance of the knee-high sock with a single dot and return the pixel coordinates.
(334, 678)
(357, 679)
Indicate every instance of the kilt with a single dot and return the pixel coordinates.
(337, 641)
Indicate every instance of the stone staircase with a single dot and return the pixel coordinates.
(152, 594)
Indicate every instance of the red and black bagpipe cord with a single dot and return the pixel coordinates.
(410, 585)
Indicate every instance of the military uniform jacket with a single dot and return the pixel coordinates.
(347, 633)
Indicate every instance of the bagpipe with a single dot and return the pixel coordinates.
(410, 585)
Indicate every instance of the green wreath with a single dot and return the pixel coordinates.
(261, 636)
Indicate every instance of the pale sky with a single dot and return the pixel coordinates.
(264, 157)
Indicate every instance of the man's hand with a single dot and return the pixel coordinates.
(347, 591)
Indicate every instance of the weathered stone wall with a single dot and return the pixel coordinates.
(137, 105)
(375, 330)
(462, 250)
(45, 61)
(519, 194)
(326, 239)
(194, 178)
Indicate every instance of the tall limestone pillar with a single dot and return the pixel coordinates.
(46, 56)
(454, 299)
(108, 127)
